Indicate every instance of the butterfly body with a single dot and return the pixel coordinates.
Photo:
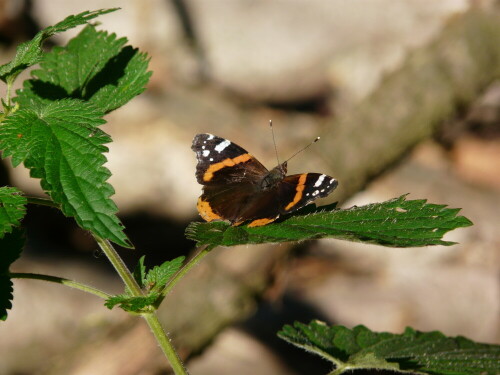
(238, 188)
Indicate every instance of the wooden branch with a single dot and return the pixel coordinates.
(412, 102)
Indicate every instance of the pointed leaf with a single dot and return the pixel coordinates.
(94, 66)
(158, 276)
(61, 144)
(129, 303)
(140, 272)
(12, 209)
(30, 53)
(11, 246)
(409, 352)
(397, 222)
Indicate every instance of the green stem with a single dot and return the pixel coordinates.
(203, 251)
(151, 318)
(119, 266)
(165, 344)
(61, 280)
(42, 202)
(134, 288)
(9, 92)
(107, 248)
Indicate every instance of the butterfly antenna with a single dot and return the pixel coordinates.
(298, 152)
(274, 141)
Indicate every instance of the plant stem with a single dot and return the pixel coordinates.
(61, 280)
(202, 252)
(151, 318)
(165, 344)
(119, 266)
(9, 92)
(134, 288)
(42, 202)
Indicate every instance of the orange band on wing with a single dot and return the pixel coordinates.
(260, 222)
(206, 211)
(299, 189)
(209, 174)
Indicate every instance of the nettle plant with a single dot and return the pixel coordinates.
(52, 126)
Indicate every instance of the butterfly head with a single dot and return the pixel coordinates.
(274, 176)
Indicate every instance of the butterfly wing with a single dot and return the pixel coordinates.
(290, 194)
(295, 191)
(229, 174)
(225, 202)
(221, 162)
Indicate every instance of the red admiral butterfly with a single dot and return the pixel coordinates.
(238, 188)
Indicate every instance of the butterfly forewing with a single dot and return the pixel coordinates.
(221, 162)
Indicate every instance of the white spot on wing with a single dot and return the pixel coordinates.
(206, 153)
(319, 181)
(221, 146)
(210, 136)
(332, 181)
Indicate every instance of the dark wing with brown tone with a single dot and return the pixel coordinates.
(221, 162)
(229, 174)
(262, 207)
(297, 190)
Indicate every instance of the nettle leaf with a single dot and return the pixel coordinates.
(397, 222)
(124, 77)
(12, 209)
(409, 352)
(11, 246)
(131, 304)
(140, 272)
(95, 66)
(30, 53)
(61, 144)
(158, 276)
(152, 282)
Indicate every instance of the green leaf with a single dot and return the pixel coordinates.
(158, 276)
(409, 352)
(12, 209)
(397, 222)
(94, 67)
(30, 53)
(11, 246)
(140, 272)
(132, 304)
(61, 144)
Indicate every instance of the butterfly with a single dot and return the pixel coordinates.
(238, 188)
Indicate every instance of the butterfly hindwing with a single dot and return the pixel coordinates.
(297, 190)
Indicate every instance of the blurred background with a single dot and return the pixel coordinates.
(406, 98)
